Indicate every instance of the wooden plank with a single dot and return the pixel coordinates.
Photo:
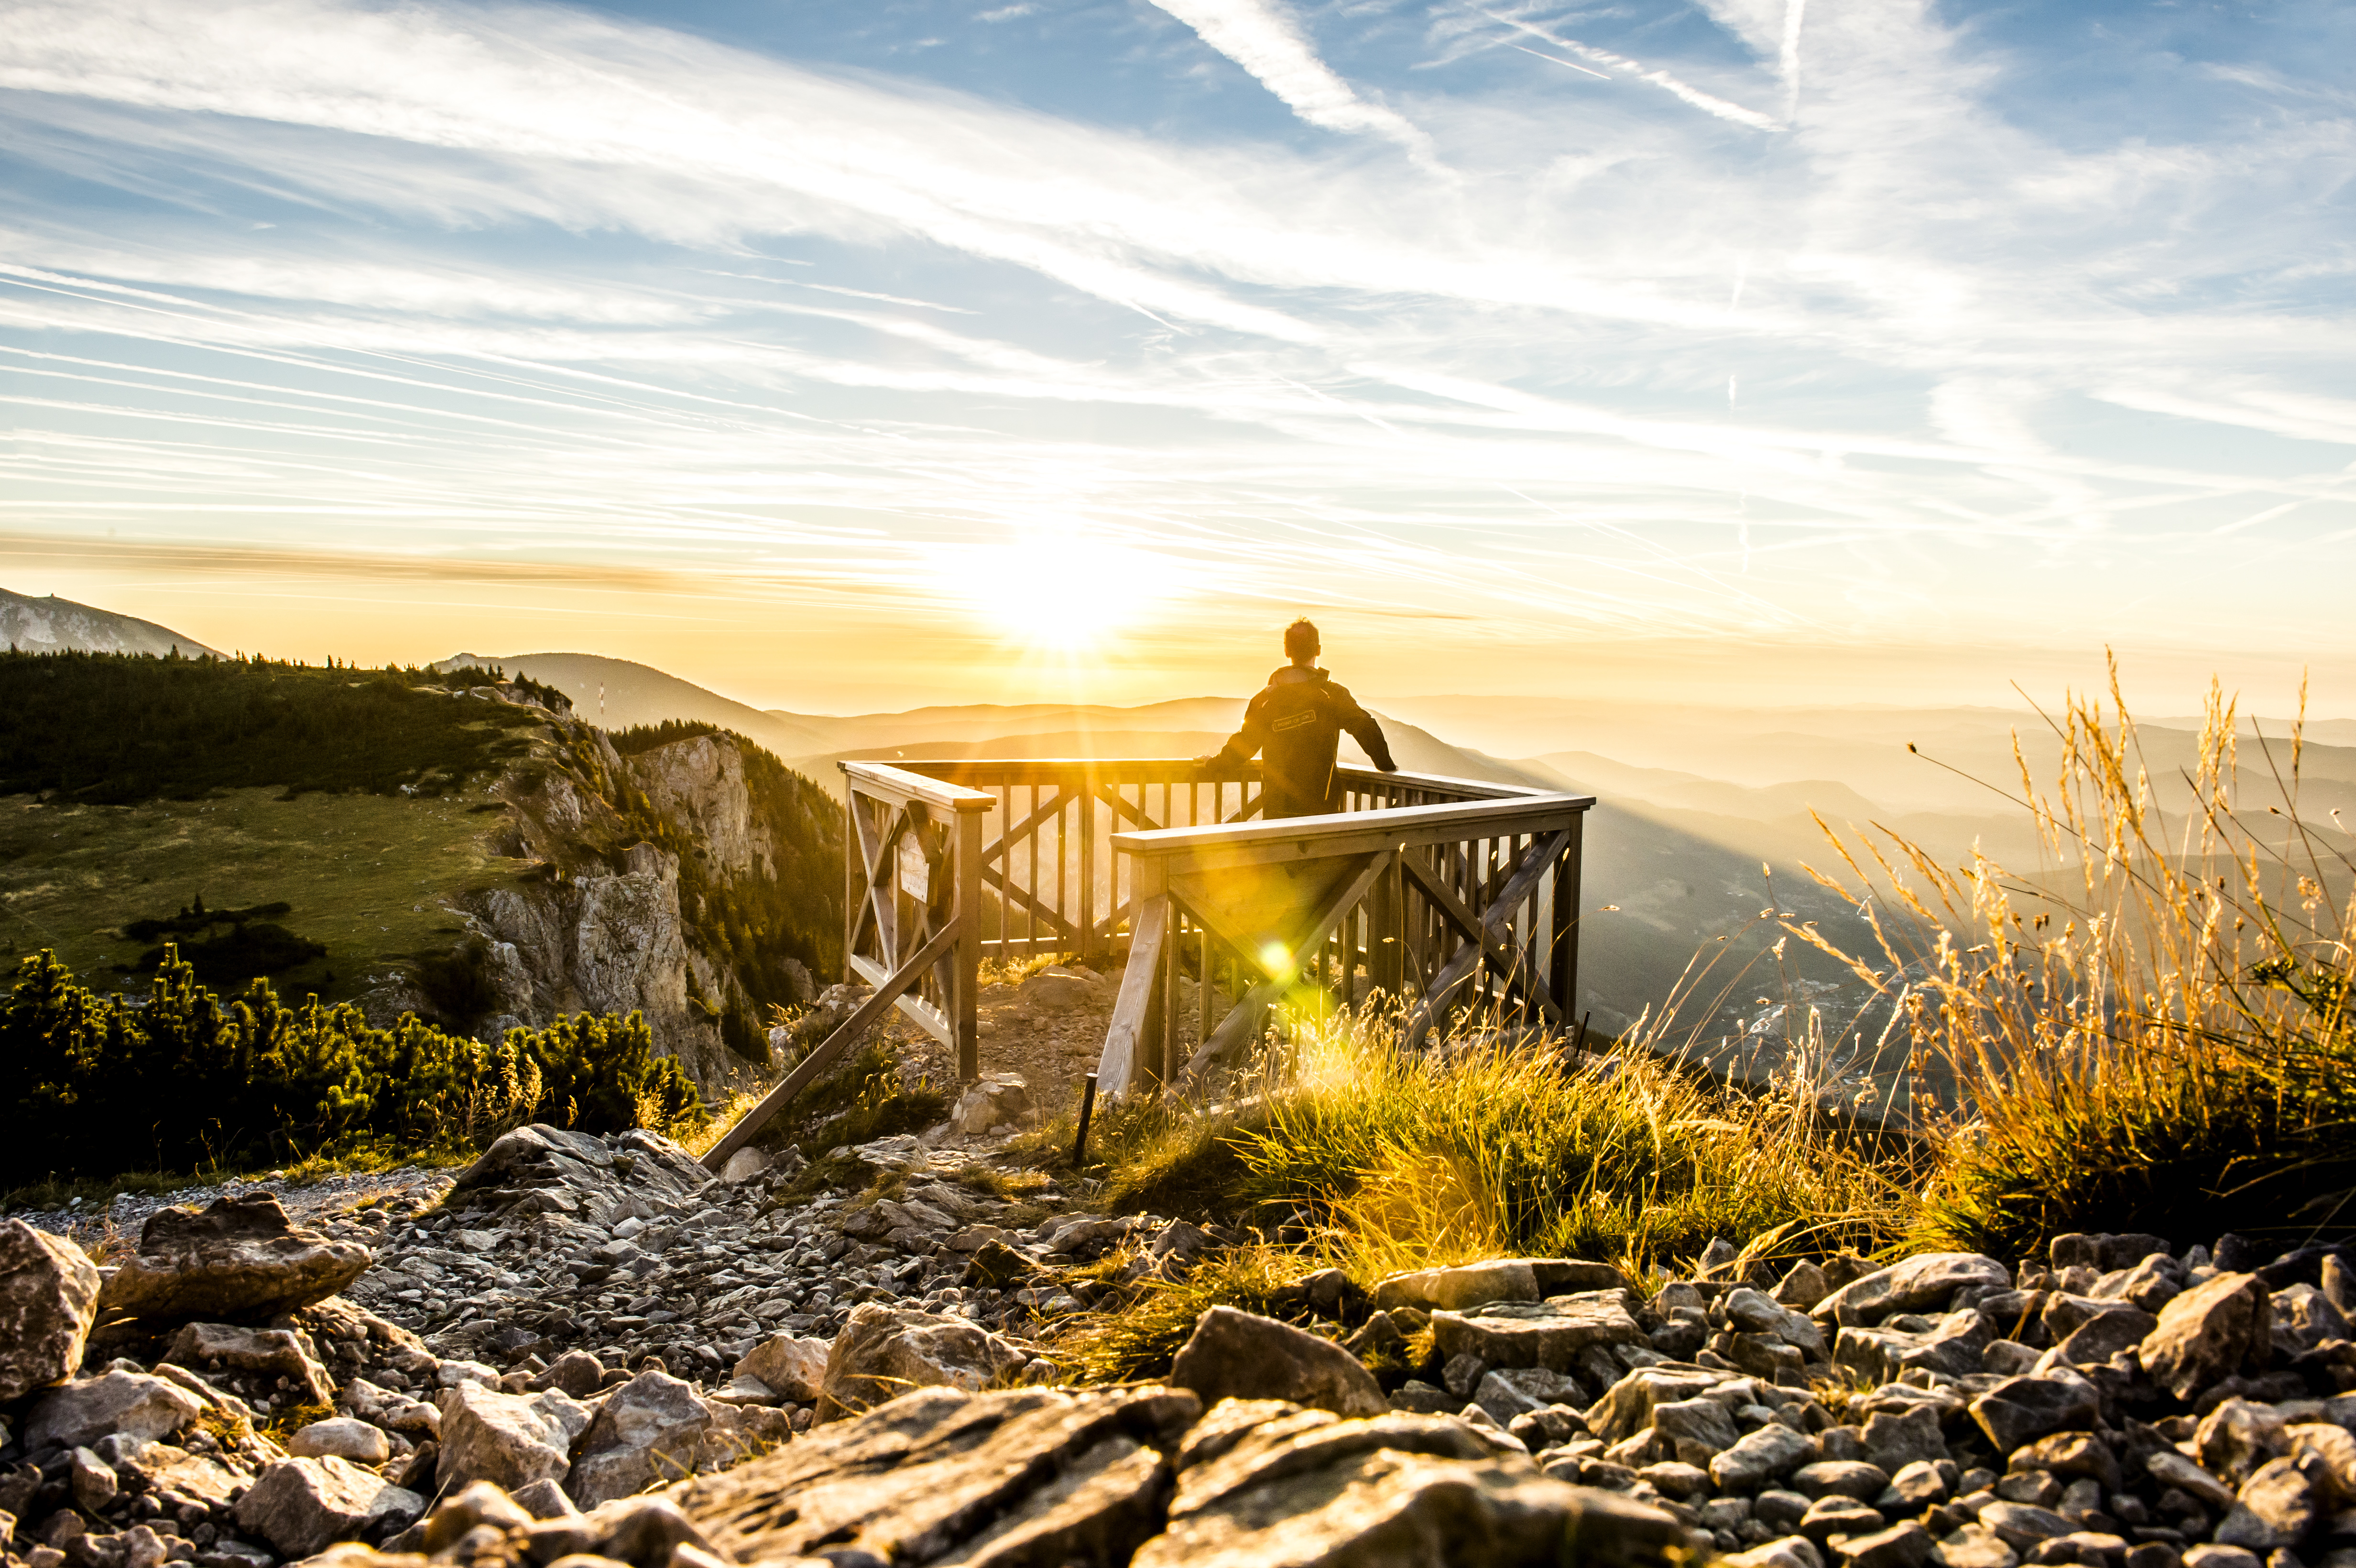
(1452, 973)
(1563, 965)
(1039, 912)
(920, 1012)
(1480, 930)
(1242, 1022)
(1122, 809)
(964, 996)
(1349, 833)
(1027, 826)
(900, 787)
(1126, 1033)
(833, 1046)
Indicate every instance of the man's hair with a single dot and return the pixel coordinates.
(1301, 638)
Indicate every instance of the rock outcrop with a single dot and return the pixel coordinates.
(239, 1259)
(48, 1296)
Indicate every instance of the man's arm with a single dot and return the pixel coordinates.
(1247, 741)
(1365, 730)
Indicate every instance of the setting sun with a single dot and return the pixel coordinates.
(1058, 593)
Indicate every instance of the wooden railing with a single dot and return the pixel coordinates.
(1435, 891)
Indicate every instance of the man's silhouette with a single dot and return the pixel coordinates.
(1296, 723)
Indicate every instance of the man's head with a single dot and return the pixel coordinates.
(1300, 640)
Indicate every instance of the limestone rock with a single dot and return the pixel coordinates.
(1550, 1334)
(76, 1414)
(1454, 1289)
(1697, 1430)
(2209, 1333)
(277, 1351)
(884, 1352)
(2170, 1468)
(1769, 1454)
(2278, 1506)
(48, 1293)
(2021, 1409)
(744, 1165)
(341, 1437)
(1927, 1280)
(1626, 1407)
(1239, 1355)
(240, 1259)
(788, 1367)
(508, 1439)
(302, 1505)
(645, 1433)
(1017, 1476)
(2238, 1437)
(1398, 1489)
(1895, 1439)
(995, 1100)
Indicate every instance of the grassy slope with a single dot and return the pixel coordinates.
(366, 875)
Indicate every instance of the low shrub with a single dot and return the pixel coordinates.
(92, 1084)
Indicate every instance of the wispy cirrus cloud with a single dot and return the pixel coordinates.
(1267, 41)
(524, 291)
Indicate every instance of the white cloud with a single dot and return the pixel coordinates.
(1267, 41)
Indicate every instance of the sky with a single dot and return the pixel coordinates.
(844, 357)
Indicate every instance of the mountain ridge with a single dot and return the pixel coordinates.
(60, 625)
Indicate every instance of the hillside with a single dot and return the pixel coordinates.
(59, 626)
(447, 845)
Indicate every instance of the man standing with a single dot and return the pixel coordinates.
(1296, 722)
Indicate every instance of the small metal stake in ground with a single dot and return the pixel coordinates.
(1088, 1105)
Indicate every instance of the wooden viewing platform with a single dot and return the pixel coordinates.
(1435, 893)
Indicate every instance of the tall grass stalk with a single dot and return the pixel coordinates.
(2151, 1030)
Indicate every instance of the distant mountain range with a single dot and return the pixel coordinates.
(54, 626)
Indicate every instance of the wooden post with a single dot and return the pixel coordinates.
(854, 865)
(1387, 934)
(1563, 979)
(1087, 862)
(966, 1003)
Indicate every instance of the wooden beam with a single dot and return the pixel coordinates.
(964, 994)
(920, 1012)
(998, 878)
(1130, 1011)
(1029, 825)
(1480, 930)
(852, 1029)
(1242, 1022)
(1451, 974)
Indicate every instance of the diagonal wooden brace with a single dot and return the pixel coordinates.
(854, 1029)
(1541, 855)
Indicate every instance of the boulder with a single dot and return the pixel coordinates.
(884, 1352)
(1551, 1333)
(2069, 1453)
(576, 1373)
(1626, 1407)
(2279, 1506)
(512, 1440)
(2022, 1525)
(1974, 1546)
(1016, 1476)
(242, 1259)
(48, 1296)
(302, 1505)
(1840, 1478)
(1239, 1355)
(2170, 1468)
(2239, 1435)
(1927, 1280)
(2209, 1333)
(1454, 1289)
(276, 1353)
(788, 1367)
(1895, 1439)
(76, 1414)
(1903, 1545)
(994, 1099)
(1768, 1453)
(645, 1434)
(1697, 1430)
(1518, 1390)
(2304, 1320)
(2021, 1410)
(745, 1165)
(341, 1437)
(1785, 1552)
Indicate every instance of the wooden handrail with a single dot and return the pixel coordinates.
(887, 783)
(1354, 832)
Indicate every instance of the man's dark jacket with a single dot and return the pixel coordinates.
(1296, 724)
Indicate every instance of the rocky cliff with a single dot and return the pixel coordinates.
(693, 880)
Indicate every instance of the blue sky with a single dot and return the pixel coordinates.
(837, 353)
